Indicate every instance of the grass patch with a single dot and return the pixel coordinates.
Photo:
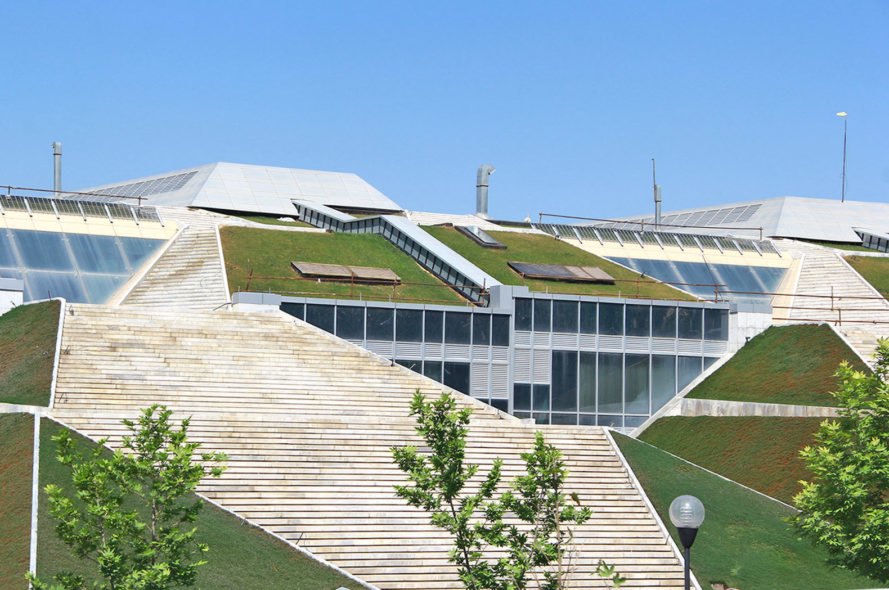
(270, 220)
(840, 245)
(522, 247)
(762, 453)
(783, 365)
(17, 442)
(27, 346)
(268, 253)
(744, 541)
(240, 556)
(874, 270)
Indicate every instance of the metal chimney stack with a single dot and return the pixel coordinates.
(657, 205)
(481, 190)
(57, 172)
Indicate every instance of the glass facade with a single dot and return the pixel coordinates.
(731, 282)
(82, 268)
(564, 361)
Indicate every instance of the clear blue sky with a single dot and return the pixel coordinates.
(569, 100)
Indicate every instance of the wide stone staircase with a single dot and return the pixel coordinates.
(830, 291)
(188, 275)
(308, 422)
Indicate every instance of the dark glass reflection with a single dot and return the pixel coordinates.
(542, 310)
(380, 324)
(611, 319)
(588, 322)
(456, 376)
(565, 317)
(500, 330)
(523, 315)
(481, 329)
(350, 322)
(638, 320)
(691, 323)
(320, 316)
(521, 396)
(663, 321)
(458, 328)
(564, 381)
(409, 325)
(434, 327)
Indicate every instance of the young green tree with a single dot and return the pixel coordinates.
(130, 513)
(845, 508)
(537, 553)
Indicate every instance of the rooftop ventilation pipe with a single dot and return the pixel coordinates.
(656, 189)
(57, 171)
(481, 190)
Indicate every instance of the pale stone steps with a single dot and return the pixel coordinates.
(308, 422)
(188, 275)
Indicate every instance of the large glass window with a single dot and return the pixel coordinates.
(541, 398)
(716, 324)
(663, 380)
(297, 310)
(523, 315)
(481, 329)
(6, 257)
(688, 368)
(611, 319)
(636, 388)
(610, 382)
(432, 369)
(638, 320)
(587, 382)
(434, 327)
(564, 381)
(350, 322)
(521, 396)
(380, 324)
(97, 254)
(500, 330)
(691, 323)
(43, 250)
(409, 325)
(565, 316)
(588, 318)
(320, 316)
(456, 376)
(542, 309)
(663, 321)
(410, 364)
(458, 327)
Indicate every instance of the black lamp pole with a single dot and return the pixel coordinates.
(687, 537)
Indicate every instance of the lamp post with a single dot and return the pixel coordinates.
(842, 115)
(687, 514)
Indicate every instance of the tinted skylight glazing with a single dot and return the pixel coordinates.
(82, 268)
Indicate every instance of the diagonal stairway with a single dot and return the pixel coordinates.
(308, 422)
(844, 300)
(188, 275)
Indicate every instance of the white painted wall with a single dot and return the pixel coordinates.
(745, 325)
(11, 294)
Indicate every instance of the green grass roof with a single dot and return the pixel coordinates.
(783, 365)
(523, 247)
(762, 453)
(874, 269)
(266, 256)
(744, 541)
(27, 348)
(240, 556)
(16, 442)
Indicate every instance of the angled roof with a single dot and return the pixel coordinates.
(784, 217)
(250, 188)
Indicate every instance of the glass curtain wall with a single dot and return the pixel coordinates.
(82, 268)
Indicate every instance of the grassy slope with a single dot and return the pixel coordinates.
(840, 245)
(522, 247)
(762, 453)
(16, 443)
(240, 556)
(743, 542)
(874, 270)
(270, 252)
(271, 220)
(783, 365)
(27, 347)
